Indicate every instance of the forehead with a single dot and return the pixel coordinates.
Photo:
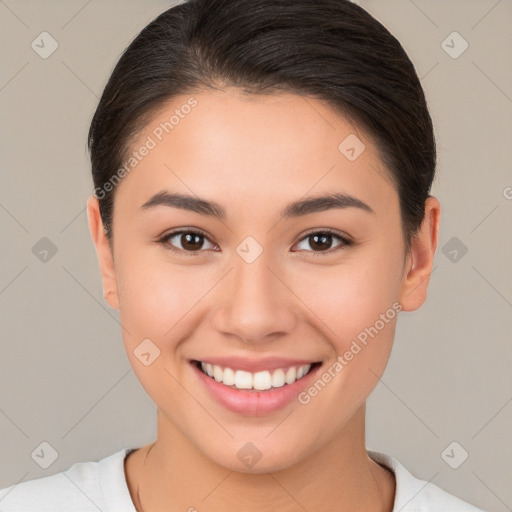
(245, 148)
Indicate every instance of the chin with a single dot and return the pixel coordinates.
(250, 459)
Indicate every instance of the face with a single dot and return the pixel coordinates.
(250, 284)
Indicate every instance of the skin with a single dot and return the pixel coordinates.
(254, 155)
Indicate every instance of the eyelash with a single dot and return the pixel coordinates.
(346, 242)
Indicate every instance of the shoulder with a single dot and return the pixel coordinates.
(415, 495)
(84, 487)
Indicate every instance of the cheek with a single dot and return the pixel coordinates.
(354, 300)
(155, 295)
(355, 306)
(157, 300)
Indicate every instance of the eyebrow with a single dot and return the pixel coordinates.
(295, 209)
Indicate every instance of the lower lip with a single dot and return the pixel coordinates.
(254, 403)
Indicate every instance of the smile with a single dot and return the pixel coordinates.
(254, 387)
(259, 381)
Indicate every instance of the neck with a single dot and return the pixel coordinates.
(172, 474)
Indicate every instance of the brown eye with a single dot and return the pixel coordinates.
(321, 242)
(185, 241)
(193, 242)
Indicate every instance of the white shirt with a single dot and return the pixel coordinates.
(101, 486)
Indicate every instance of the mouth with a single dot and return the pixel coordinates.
(254, 387)
(256, 381)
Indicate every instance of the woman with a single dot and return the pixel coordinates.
(261, 216)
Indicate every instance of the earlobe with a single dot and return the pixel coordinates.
(103, 251)
(421, 257)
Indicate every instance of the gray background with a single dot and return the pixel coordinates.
(64, 376)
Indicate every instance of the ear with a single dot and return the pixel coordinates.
(420, 259)
(104, 252)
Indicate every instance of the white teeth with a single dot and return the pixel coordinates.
(278, 378)
(290, 376)
(262, 381)
(243, 380)
(300, 372)
(218, 374)
(259, 381)
(229, 377)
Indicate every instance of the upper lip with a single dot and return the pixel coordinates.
(255, 365)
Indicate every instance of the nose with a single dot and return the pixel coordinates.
(256, 304)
